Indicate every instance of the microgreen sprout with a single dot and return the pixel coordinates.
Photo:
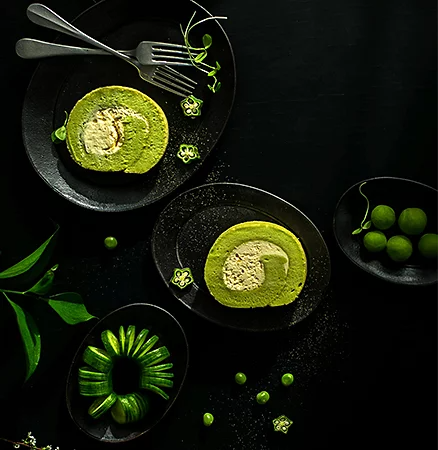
(60, 133)
(198, 60)
(363, 225)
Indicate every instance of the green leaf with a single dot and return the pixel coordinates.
(30, 336)
(43, 286)
(200, 57)
(218, 66)
(61, 133)
(367, 225)
(218, 86)
(357, 231)
(70, 307)
(207, 40)
(212, 73)
(55, 140)
(25, 264)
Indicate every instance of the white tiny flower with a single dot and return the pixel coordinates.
(16, 445)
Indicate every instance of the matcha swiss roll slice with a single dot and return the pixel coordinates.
(117, 129)
(256, 264)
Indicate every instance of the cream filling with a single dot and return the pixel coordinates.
(243, 270)
(103, 134)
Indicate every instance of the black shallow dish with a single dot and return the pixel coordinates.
(166, 327)
(188, 227)
(398, 193)
(58, 83)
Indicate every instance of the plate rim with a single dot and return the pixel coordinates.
(366, 269)
(116, 208)
(67, 397)
(212, 320)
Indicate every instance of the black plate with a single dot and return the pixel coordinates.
(166, 327)
(398, 193)
(188, 227)
(58, 83)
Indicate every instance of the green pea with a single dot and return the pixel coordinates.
(262, 397)
(110, 242)
(287, 379)
(208, 419)
(240, 378)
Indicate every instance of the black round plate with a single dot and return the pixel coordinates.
(399, 193)
(171, 334)
(58, 83)
(188, 227)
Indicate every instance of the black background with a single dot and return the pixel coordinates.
(328, 94)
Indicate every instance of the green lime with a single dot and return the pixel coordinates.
(412, 221)
(399, 248)
(207, 419)
(428, 245)
(110, 242)
(262, 397)
(374, 241)
(240, 378)
(383, 217)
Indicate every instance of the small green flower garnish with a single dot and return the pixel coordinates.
(188, 153)
(282, 424)
(182, 277)
(60, 133)
(363, 225)
(191, 106)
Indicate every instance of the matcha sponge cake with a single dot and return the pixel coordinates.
(256, 264)
(117, 129)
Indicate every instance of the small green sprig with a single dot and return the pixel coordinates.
(198, 60)
(363, 225)
(29, 442)
(60, 133)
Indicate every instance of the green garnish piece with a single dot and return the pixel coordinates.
(182, 277)
(139, 340)
(207, 419)
(282, 423)
(287, 379)
(130, 338)
(101, 405)
(363, 225)
(60, 133)
(88, 373)
(154, 357)
(188, 153)
(98, 359)
(159, 368)
(198, 60)
(191, 106)
(146, 347)
(262, 397)
(162, 382)
(122, 340)
(110, 242)
(156, 389)
(110, 343)
(240, 378)
(89, 388)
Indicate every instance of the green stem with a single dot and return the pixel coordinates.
(7, 291)
(368, 203)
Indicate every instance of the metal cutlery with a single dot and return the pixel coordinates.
(161, 76)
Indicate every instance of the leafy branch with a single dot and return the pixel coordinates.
(68, 305)
(29, 442)
(363, 225)
(197, 59)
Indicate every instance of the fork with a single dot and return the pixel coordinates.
(146, 52)
(163, 77)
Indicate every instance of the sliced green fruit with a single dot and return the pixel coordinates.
(154, 357)
(95, 388)
(122, 339)
(101, 405)
(163, 382)
(147, 346)
(118, 412)
(143, 403)
(111, 343)
(97, 358)
(158, 368)
(139, 340)
(153, 373)
(88, 373)
(130, 338)
(156, 389)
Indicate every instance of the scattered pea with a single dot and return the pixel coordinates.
(208, 419)
(110, 242)
(240, 378)
(287, 379)
(262, 397)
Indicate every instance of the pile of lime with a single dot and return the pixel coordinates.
(399, 247)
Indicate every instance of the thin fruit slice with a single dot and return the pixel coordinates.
(156, 389)
(163, 382)
(88, 373)
(97, 358)
(122, 339)
(101, 405)
(147, 346)
(154, 357)
(95, 388)
(152, 373)
(159, 367)
(139, 340)
(111, 343)
(118, 412)
(130, 338)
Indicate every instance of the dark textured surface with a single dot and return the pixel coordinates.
(399, 194)
(191, 223)
(328, 94)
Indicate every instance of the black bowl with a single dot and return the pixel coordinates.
(399, 193)
(171, 334)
